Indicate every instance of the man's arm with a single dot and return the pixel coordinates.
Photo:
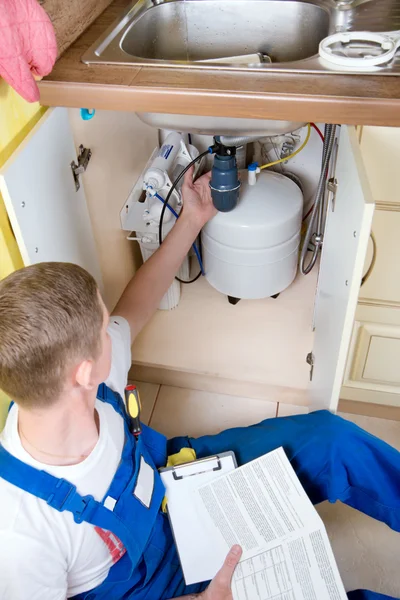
(144, 292)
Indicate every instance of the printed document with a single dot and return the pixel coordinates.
(286, 551)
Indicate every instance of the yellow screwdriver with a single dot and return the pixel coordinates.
(132, 400)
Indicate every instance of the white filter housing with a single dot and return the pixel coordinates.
(252, 251)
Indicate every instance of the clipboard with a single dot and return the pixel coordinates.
(193, 544)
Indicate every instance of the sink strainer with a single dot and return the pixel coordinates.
(360, 49)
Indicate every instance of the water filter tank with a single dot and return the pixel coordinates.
(252, 251)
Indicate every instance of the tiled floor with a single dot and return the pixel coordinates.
(179, 411)
(367, 552)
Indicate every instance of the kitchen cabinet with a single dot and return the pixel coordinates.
(372, 373)
(16, 118)
(383, 286)
(256, 349)
(121, 145)
(380, 148)
(51, 220)
(49, 215)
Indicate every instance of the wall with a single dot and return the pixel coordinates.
(121, 145)
(71, 18)
(17, 118)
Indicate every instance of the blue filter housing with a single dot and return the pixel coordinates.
(225, 184)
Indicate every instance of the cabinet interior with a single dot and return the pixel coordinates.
(254, 349)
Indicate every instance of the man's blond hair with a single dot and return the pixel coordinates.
(50, 318)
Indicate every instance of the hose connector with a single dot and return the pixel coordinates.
(252, 172)
(150, 191)
(224, 183)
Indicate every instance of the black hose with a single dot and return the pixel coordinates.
(167, 199)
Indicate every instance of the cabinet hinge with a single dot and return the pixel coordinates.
(311, 361)
(83, 160)
(332, 187)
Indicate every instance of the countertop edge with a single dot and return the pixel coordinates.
(257, 105)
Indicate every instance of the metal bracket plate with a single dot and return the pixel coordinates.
(332, 187)
(84, 157)
(311, 361)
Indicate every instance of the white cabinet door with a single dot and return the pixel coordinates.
(49, 217)
(380, 148)
(372, 370)
(345, 244)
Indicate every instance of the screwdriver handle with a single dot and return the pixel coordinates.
(132, 400)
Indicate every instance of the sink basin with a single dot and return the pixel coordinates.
(218, 125)
(283, 35)
(202, 30)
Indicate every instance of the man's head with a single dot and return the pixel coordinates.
(53, 337)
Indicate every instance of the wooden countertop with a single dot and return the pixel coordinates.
(350, 99)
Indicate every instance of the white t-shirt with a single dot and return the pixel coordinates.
(44, 554)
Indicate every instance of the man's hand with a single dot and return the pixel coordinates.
(144, 292)
(220, 587)
(197, 202)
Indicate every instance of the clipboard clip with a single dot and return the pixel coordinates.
(201, 462)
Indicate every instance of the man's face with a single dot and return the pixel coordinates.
(102, 366)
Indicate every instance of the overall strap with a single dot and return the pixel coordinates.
(108, 396)
(127, 465)
(57, 492)
(60, 494)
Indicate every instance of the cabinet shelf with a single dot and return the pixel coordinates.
(258, 346)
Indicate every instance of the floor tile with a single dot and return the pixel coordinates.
(148, 396)
(366, 550)
(386, 430)
(181, 411)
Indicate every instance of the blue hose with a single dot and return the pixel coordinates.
(168, 206)
(195, 249)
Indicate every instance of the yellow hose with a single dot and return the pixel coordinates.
(304, 144)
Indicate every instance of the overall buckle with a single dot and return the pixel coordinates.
(65, 497)
(86, 509)
(62, 492)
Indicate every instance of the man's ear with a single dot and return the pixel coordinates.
(83, 374)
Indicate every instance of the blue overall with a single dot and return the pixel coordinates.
(333, 458)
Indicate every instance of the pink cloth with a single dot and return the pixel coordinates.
(28, 45)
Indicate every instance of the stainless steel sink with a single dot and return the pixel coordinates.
(195, 31)
(284, 33)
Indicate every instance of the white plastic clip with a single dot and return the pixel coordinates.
(252, 172)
